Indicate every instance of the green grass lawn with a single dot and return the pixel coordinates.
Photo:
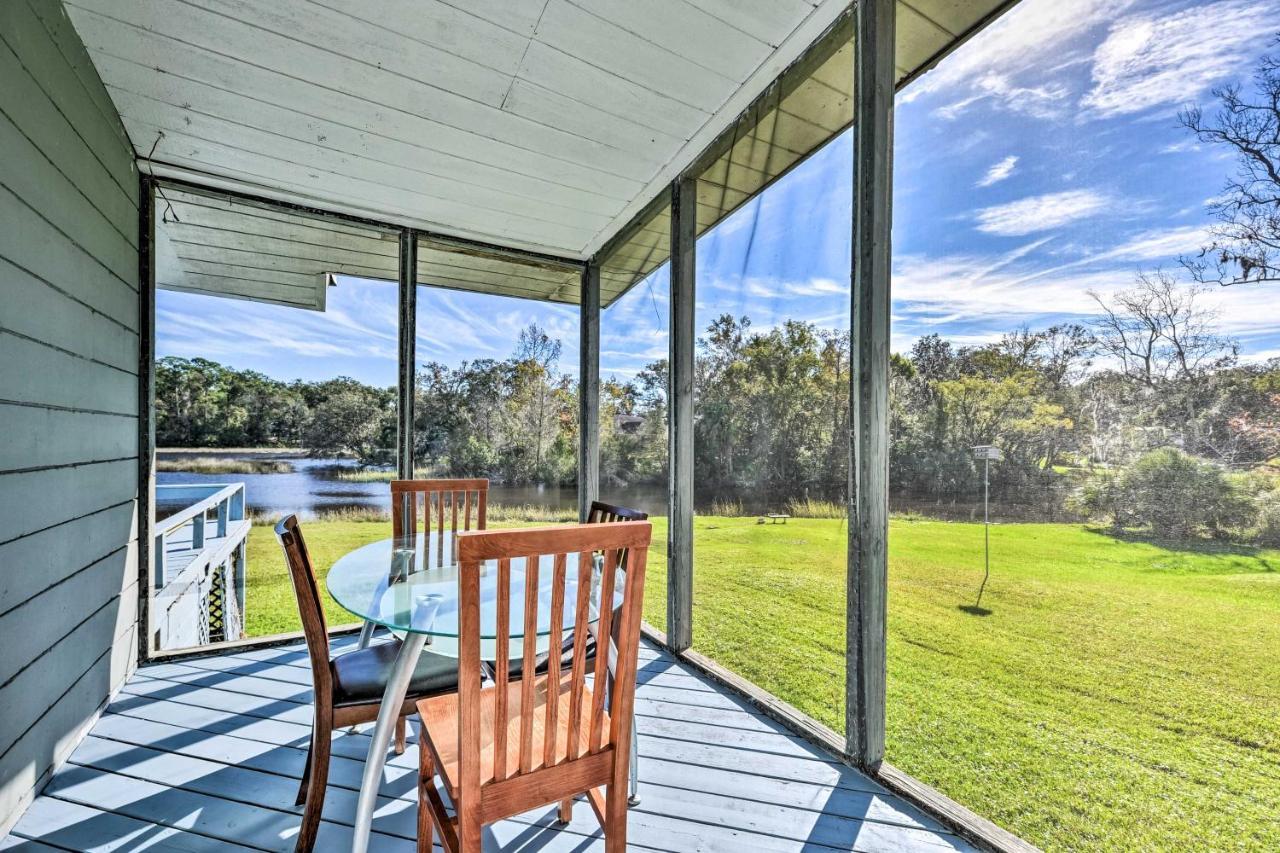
(1118, 695)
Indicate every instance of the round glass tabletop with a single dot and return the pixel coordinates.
(413, 587)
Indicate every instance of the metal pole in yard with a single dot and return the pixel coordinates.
(986, 453)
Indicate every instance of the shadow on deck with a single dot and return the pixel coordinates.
(206, 755)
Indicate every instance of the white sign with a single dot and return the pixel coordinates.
(988, 451)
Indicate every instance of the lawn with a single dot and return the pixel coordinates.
(1118, 694)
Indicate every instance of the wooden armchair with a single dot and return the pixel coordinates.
(546, 737)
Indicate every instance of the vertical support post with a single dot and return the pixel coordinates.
(589, 389)
(408, 333)
(149, 549)
(869, 395)
(680, 416)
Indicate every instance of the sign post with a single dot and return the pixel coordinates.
(988, 453)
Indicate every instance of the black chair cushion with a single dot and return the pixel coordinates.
(361, 676)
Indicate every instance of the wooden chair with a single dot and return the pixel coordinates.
(439, 497)
(461, 497)
(347, 688)
(525, 742)
(603, 512)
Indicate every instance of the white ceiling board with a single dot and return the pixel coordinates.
(535, 124)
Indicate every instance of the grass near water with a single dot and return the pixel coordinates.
(1115, 695)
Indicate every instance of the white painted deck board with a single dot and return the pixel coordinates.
(200, 753)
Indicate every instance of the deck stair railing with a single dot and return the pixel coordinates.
(199, 577)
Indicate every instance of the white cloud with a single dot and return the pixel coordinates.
(1151, 61)
(1040, 212)
(1034, 39)
(999, 171)
(1165, 244)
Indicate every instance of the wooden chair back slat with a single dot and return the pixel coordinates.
(502, 656)
(559, 575)
(578, 665)
(530, 647)
(622, 703)
(608, 572)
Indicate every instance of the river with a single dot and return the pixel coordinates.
(312, 488)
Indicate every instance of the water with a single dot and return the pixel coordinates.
(311, 488)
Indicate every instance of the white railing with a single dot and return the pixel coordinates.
(199, 566)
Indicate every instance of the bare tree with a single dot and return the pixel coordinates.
(1246, 241)
(1157, 331)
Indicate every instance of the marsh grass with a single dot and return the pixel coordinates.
(813, 508)
(217, 465)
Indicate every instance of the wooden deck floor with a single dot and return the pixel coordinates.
(205, 755)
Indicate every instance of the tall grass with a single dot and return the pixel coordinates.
(216, 465)
(814, 508)
(530, 513)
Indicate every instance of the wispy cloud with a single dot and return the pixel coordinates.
(1040, 212)
(998, 171)
(1150, 61)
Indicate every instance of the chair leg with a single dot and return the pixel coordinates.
(634, 787)
(565, 814)
(306, 776)
(400, 736)
(318, 778)
(426, 778)
(615, 819)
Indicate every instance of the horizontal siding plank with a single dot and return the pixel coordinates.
(61, 550)
(35, 179)
(39, 374)
(34, 309)
(64, 604)
(62, 88)
(27, 764)
(39, 499)
(39, 437)
(30, 695)
(33, 243)
(28, 106)
(68, 44)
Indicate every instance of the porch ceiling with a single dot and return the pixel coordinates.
(536, 124)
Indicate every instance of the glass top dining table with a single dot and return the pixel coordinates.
(410, 586)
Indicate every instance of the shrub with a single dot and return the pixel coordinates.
(1172, 495)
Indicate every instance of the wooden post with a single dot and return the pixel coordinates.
(150, 551)
(408, 334)
(680, 417)
(869, 394)
(589, 389)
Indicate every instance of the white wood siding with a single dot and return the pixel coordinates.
(68, 397)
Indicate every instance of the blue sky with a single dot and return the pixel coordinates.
(1040, 161)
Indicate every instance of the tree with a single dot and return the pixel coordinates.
(1158, 330)
(350, 417)
(1246, 240)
